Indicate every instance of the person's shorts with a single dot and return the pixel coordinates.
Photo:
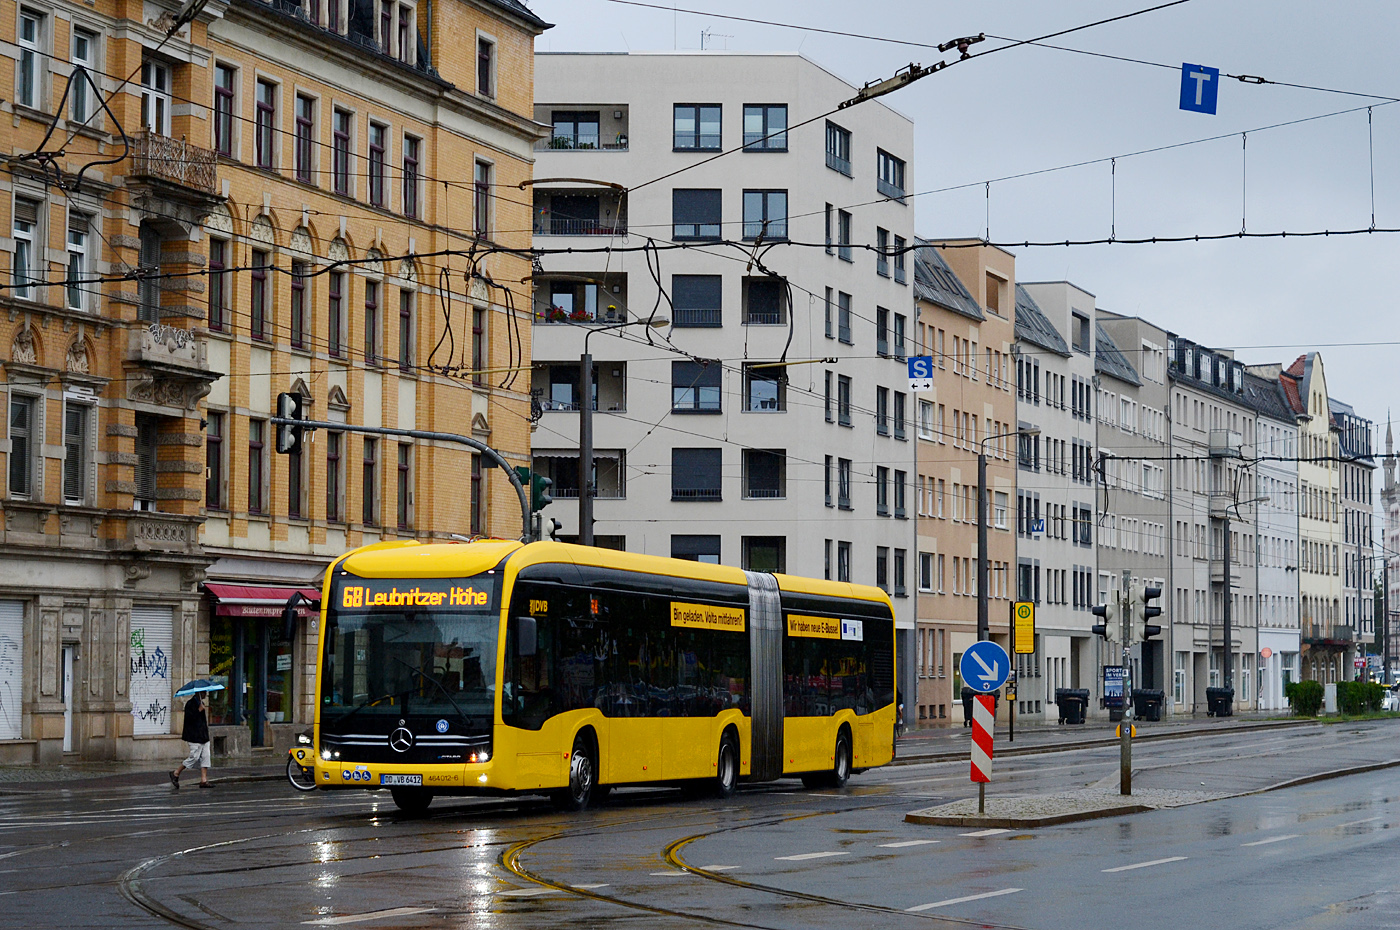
(198, 757)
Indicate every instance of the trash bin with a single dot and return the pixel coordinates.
(1147, 703)
(1073, 702)
(967, 696)
(1220, 702)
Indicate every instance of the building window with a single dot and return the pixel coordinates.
(479, 351)
(84, 50)
(369, 487)
(695, 213)
(765, 388)
(843, 561)
(765, 127)
(335, 476)
(843, 236)
(26, 224)
(900, 245)
(404, 486)
(765, 474)
(305, 138)
(218, 284)
(481, 199)
(882, 411)
(31, 53)
(843, 400)
(765, 214)
(371, 322)
(301, 272)
(695, 548)
(889, 178)
(149, 285)
(485, 67)
(411, 148)
(882, 252)
(77, 285)
(406, 300)
(838, 149)
(882, 568)
(341, 123)
(257, 467)
(901, 331)
(696, 387)
(765, 300)
(214, 462)
(407, 45)
(478, 497)
(225, 89)
(900, 403)
(76, 429)
(265, 125)
(843, 484)
(296, 484)
(765, 554)
(257, 298)
(827, 466)
(882, 491)
(901, 481)
(828, 397)
(377, 133)
(1079, 329)
(697, 127)
(386, 26)
(335, 306)
(882, 331)
(23, 429)
(696, 475)
(697, 299)
(843, 318)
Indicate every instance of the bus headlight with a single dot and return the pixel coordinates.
(483, 755)
(326, 754)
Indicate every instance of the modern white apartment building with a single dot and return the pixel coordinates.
(1276, 538)
(768, 425)
(1055, 490)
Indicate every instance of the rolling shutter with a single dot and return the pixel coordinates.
(11, 668)
(151, 688)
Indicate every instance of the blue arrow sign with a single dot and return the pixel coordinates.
(921, 373)
(984, 667)
(1199, 88)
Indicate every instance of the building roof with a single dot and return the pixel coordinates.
(1034, 327)
(1268, 398)
(1109, 360)
(521, 10)
(935, 282)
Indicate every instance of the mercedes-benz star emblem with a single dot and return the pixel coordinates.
(401, 740)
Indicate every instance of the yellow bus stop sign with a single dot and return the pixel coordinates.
(1023, 627)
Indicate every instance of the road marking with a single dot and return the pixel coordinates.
(1143, 865)
(717, 868)
(1353, 823)
(1272, 839)
(590, 887)
(371, 915)
(971, 897)
(669, 874)
(992, 832)
(904, 843)
(525, 892)
(799, 858)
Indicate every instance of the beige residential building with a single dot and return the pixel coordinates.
(965, 297)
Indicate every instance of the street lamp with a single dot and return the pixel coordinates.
(983, 629)
(585, 426)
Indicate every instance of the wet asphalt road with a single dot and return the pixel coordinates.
(1320, 855)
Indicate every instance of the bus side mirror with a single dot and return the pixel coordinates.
(290, 614)
(526, 642)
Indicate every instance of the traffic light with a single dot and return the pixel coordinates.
(538, 486)
(1110, 629)
(1144, 610)
(289, 407)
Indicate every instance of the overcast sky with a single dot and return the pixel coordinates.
(1031, 108)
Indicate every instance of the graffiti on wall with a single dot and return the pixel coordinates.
(10, 683)
(150, 684)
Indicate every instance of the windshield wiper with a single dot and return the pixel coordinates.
(359, 707)
(445, 693)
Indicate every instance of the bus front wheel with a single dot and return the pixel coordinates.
(583, 769)
(727, 768)
(840, 766)
(411, 801)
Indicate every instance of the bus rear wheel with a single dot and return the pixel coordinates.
(840, 772)
(583, 769)
(726, 780)
(412, 801)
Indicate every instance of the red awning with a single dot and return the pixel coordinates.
(249, 600)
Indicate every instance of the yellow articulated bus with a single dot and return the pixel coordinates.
(501, 668)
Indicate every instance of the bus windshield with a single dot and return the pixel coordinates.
(423, 647)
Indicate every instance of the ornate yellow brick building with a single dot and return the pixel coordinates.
(304, 197)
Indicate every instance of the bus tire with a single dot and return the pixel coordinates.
(840, 771)
(726, 780)
(412, 801)
(583, 775)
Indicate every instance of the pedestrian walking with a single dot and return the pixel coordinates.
(196, 735)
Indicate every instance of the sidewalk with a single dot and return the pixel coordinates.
(84, 775)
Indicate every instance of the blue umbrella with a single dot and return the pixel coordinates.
(198, 685)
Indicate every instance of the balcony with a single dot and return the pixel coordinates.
(1225, 443)
(167, 347)
(580, 213)
(581, 299)
(1222, 506)
(173, 161)
(163, 532)
(1217, 572)
(575, 128)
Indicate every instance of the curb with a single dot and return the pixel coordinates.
(123, 780)
(1095, 742)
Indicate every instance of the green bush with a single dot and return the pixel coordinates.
(1305, 697)
(1359, 697)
